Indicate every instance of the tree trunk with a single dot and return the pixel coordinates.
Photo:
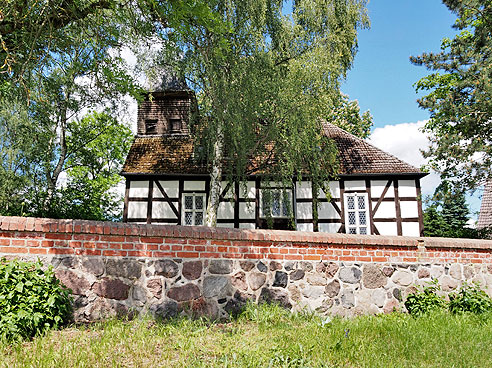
(215, 184)
(52, 178)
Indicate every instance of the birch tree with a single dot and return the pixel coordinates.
(265, 77)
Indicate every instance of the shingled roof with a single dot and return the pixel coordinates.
(162, 155)
(174, 155)
(485, 217)
(359, 157)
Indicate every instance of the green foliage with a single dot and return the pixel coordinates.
(32, 300)
(58, 61)
(459, 97)
(95, 149)
(264, 83)
(425, 300)
(347, 116)
(447, 215)
(470, 298)
(264, 80)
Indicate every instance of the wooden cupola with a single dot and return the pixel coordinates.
(166, 110)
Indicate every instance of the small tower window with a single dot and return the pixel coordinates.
(175, 125)
(151, 126)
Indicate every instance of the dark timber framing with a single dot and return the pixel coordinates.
(232, 193)
(419, 209)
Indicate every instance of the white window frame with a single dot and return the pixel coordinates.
(281, 202)
(194, 211)
(357, 226)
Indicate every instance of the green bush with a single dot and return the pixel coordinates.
(425, 300)
(32, 300)
(470, 298)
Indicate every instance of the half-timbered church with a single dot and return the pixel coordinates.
(376, 193)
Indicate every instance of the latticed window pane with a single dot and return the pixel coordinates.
(362, 203)
(351, 217)
(285, 206)
(199, 202)
(189, 202)
(356, 214)
(362, 218)
(276, 204)
(188, 218)
(199, 218)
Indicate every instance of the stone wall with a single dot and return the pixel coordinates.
(116, 268)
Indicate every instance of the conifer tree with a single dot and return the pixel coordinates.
(460, 97)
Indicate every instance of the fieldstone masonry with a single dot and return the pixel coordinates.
(116, 269)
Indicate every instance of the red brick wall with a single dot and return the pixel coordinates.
(33, 236)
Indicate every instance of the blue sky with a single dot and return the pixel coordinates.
(382, 76)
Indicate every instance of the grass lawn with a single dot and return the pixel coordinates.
(265, 337)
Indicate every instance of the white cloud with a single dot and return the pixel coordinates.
(406, 141)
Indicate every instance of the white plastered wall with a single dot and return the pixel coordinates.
(250, 190)
(407, 188)
(329, 227)
(228, 225)
(385, 210)
(171, 187)
(162, 210)
(304, 227)
(334, 188)
(377, 188)
(410, 229)
(228, 194)
(226, 211)
(247, 211)
(386, 228)
(304, 211)
(249, 226)
(137, 209)
(357, 185)
(304, 190)
(139, 188)
(327, 211)
(409, 209)
(194, 185)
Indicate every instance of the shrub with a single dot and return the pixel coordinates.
(32, 300)
(470, 298)
(425, 300)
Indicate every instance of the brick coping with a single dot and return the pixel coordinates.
(31, 224)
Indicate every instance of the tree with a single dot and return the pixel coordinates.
(447, 215)
(42, 138)
(58, 60)
(459, 99)
(346, 114)
(264, 82)
(19, 155)
(92, 169)
(29, 30)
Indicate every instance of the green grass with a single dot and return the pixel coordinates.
(265, 337)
